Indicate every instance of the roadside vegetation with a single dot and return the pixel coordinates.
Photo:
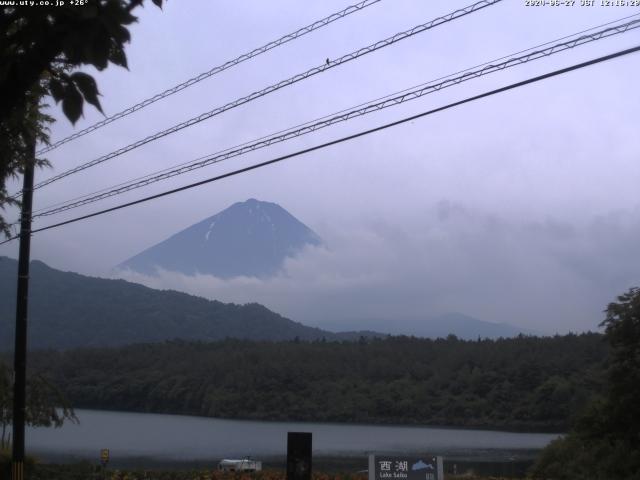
(46, 406)
(604, 443)
(92, 472)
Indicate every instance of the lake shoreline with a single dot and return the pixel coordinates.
(481, 428)
(138, 440)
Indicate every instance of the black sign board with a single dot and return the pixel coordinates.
(298, 456)
(386, 467)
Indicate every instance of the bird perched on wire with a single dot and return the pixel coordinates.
(328, 62)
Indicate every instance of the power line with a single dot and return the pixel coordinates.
(272, 88)
(215, 70)
(406, 90)
(345, 139)
(309, 127)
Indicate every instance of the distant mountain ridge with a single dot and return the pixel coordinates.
(463, 326)
(69, 310)
(251, 238)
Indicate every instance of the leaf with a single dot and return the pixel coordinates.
(56, 89)
(88, 87)
(118, 56)
(72, 103)
(73, 44)
(89, 10)
(119, 33)
(157, 3)
(117, 14)
(101, 49)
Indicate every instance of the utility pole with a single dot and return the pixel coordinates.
(20, 351)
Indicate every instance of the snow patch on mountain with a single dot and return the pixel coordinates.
(251, 238)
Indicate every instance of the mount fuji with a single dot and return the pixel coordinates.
(251, 238)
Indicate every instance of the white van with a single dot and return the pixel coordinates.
(244, 465)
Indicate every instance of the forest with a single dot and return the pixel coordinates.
(524, 383)
(68, 310)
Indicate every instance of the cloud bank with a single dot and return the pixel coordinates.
(544, 274)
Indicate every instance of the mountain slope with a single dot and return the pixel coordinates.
(69, 310)
(250, 238)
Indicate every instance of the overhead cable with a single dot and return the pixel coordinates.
(215, 70)
(277, 86)
(205, 157)
(344, 139)
(389, 101)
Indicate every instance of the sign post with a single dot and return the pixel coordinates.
(104, 456)
(407, 467)
(22, 301)
(104, 459)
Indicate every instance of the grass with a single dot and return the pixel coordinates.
(87, 471)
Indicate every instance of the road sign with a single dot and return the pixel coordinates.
(409, 467)
(104, 456)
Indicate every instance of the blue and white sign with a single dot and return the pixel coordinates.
(385, 467)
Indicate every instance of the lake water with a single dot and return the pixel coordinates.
(184, 438)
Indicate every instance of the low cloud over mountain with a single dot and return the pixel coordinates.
(539, 274)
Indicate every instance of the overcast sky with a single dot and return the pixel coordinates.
(520, 208)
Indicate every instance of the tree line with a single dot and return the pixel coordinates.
(524, 383)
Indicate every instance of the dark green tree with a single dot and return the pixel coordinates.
(605, 441)
(17, 133)
(46, 405)
(40, 49)
(623, 399)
